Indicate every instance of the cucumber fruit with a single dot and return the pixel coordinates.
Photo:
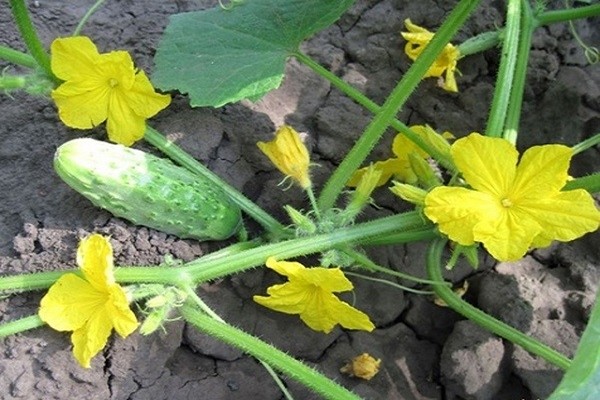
(147, 190)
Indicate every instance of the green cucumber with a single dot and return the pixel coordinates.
(147, 190)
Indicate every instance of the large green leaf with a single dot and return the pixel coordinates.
(582, 379)
(219, 56)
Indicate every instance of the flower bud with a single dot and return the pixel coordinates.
(410, 193)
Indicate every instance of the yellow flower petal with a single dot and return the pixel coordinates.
(142, 98)
(95, 258)
(329, 279)
(69, 302)
(79, 106)
(289, 155)
(564, 217)
(73, 57)
(121, 316)
(488, 164)
(400, 168)
(309, 293)
(90, 339)
(542, 172)
(402, 146)
(458, 211)
(285, 298)
(123, 125)
(324, 311)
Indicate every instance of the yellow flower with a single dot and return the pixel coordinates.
(511, 208)
(102, 87)
(90, 306)
(400, 166)
(309, 292)
(289, 155)
(363, 366)
(418, 38)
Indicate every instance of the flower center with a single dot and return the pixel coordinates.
(112, 82)
(506, 202)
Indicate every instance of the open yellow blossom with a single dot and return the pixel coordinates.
(418, 38)
(511, 208)
(102, 87)
(90, 306)
(310, 293)
(289, 155)
(400, 166)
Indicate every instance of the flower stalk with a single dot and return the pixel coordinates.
(30, 36)
(434, 266)
(291, 367)
(506, 72)
(17, 57)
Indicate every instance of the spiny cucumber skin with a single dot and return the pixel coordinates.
(147, 190)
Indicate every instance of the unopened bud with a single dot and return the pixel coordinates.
(424, 171)
(410, 193)
(302, 222)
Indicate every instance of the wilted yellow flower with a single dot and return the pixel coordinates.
(418, 38)
(309, 292)
(511, 208)
(289, 155)
(363, 366)
(400, 166)
(102, 87)
(90, 306)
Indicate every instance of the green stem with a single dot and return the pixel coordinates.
(17, 57)
(184, 159)
(515, 101)
(434, 255)
(257, 348)
(313, 202)
(35, 281)
(504, 81)
(87, 15)
(30, 37)
(426, 233)
(586, 144)
(390, 108)
(203, 270)
(373, 107)
(20, 325)
(11, 82)
(388, 283)
(198, 302)
(231, 262)
(373, 267)
(591, 183)
(480, 42)
(551, 17)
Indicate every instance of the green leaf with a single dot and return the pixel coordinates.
(219, 56)
(582, 379)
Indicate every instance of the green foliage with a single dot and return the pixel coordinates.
(221, 56)
(582, 380)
